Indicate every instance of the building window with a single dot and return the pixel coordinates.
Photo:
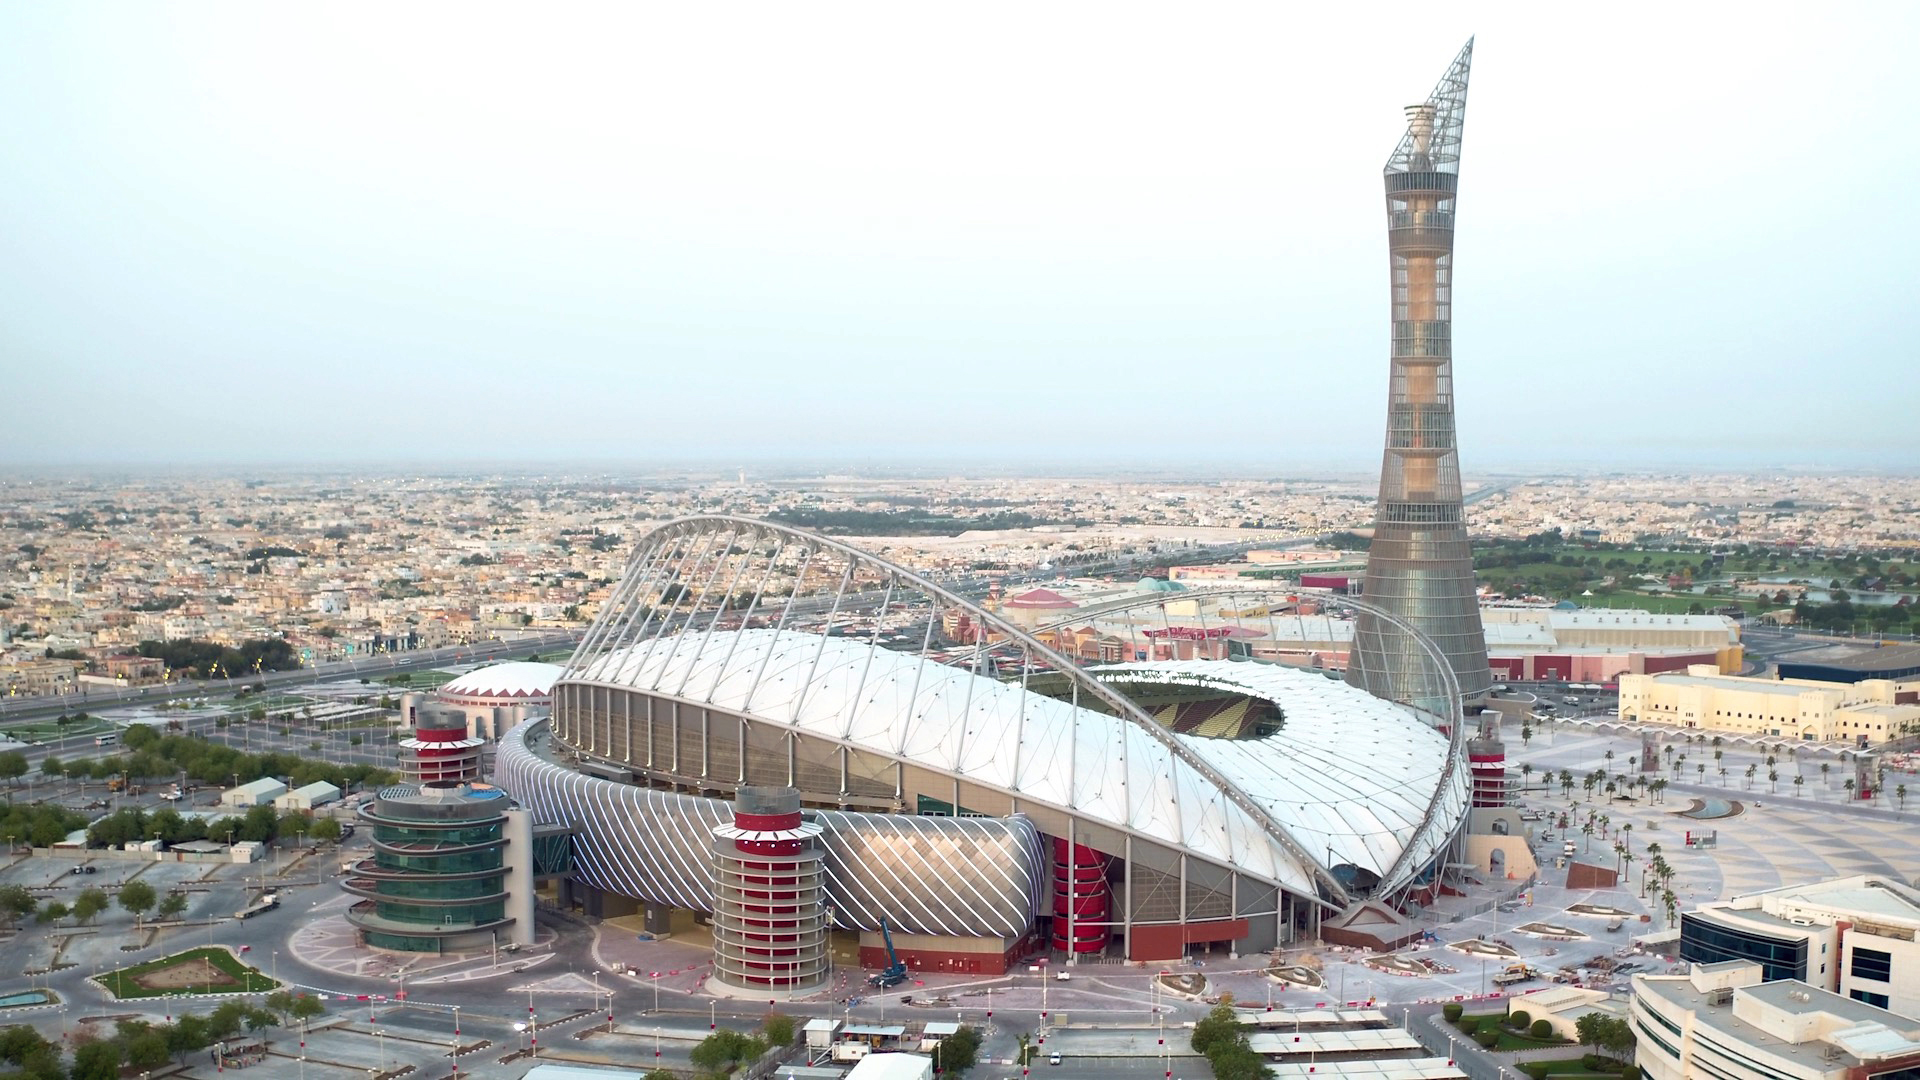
(1871, 998)
(1704, 942)
(1872, 964)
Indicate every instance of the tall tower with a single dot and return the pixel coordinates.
(1421, 567)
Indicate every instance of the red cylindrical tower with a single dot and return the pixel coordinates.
(1487, 758)
(441, 751)
(1081, 898)
(769, 919)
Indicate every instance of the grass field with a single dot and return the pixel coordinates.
(199, 971)
(1509, 1039)
(1565, 1068)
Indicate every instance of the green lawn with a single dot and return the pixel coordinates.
(246, 980)
(1567, 1068)
(1509, 1039)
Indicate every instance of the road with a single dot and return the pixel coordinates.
(22, 708)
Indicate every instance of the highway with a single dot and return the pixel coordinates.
(30, 708)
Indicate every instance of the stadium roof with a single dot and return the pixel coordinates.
(1347, 774)
(519, 679)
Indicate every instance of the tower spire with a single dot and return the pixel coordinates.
(1420, 566)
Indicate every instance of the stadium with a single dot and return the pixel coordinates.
(981, 800)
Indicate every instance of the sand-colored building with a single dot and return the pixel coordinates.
(1866, 713)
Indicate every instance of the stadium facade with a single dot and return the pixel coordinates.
(977, 800)
(1420, 564)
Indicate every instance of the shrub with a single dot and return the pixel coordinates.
(1452, 1012)
(1542, 1029)
(1487, 1038)
(1520, 1018)
(1592, 1062)
(1468, 1024)
(1630, 1072)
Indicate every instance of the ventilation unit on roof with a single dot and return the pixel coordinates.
(1720, 996)
(1799, 995)
(1801, 922)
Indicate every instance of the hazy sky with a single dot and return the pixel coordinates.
(1028, 232)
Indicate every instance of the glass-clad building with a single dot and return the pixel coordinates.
(1780, 956)
(437, 881)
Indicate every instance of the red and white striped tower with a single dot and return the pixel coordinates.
(440, 751)
(769, 911)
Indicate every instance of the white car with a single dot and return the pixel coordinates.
(1053, 1058)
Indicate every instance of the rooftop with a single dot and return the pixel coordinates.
(1855, 1033)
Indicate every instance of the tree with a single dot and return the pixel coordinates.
(88, 904)
(959, 1051)
(16, 903)
(172, 904)
(138, 897)
(51, 766)
(777, 1028)
(52, 912)
(13, 765)
(306, 1007)
(1900, 793)
(327, 829)
(98, 1060)
(1217, 1028)
(147, 1050)
(720, 1051)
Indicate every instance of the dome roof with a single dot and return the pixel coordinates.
(519, 679)
(1160, 584)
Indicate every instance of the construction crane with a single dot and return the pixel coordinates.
(895, 972)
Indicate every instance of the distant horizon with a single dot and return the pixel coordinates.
(825, 468)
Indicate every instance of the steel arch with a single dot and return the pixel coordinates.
(652, 556)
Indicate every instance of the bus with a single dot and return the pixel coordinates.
(105, 740)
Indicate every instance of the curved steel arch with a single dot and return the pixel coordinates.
(651, 564)
(1450, 695)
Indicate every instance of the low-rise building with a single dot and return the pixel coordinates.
(1853, 936)
(318, 793)
(1864, 713)
(258, 793)
(1725, 1021)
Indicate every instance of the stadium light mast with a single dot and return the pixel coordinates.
(1421, 565)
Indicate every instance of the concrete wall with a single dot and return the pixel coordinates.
(1516, 858)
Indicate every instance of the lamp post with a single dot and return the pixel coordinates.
(456, 1043)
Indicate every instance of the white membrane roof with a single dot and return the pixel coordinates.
(1349, 776)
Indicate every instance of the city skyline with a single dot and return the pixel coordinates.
(269, 238)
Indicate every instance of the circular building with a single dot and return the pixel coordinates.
(496, 697)
(437, 881)
(980, 807)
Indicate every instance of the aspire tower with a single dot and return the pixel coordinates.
(1420, 566)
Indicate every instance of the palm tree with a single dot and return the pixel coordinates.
(1526, 774)
(1751, 769)
(1849, 786)
(1703, 770)
(1900, 792)
(1826, 767)
(1798, 783)
(1773, 777)
(1626, 836)
(1587, 831)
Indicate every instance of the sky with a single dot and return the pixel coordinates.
(242, 234)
